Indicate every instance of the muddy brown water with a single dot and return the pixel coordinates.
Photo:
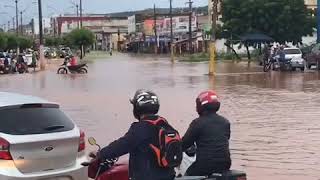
(274, 116)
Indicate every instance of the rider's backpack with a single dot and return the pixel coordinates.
(168, 146)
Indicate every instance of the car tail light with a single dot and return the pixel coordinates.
(82, 142)
(4, 150)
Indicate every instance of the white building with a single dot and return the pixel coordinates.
(46, 24)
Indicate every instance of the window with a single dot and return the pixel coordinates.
(292, 51)
(26, 121)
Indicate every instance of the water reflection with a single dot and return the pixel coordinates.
(274, 115)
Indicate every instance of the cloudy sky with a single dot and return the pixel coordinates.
(56, 7)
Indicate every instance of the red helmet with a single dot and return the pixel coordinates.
(207, 101)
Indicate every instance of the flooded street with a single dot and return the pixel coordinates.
(274, 116)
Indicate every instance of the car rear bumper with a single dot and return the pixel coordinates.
(8, 171)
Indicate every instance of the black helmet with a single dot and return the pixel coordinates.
(145, 103)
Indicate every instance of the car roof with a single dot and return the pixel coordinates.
(8, 99)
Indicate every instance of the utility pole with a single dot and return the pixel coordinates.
(318, 21)
(21, 28)
(8, 26)
(155, 29)
(118, 44)
(213, 38)
(13, 22)
(171, 34)
(42, 62)
(17, 18)
(80, 13)
(77, 6)
(82, 50)
(190, 27)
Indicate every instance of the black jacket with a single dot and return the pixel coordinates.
(211, 134)
(142, 162)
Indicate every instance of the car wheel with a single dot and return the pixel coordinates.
(302, 69)
(293, 69)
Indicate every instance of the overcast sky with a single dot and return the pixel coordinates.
(56, 7)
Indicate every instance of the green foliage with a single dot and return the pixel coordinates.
(283, 20)
(25, 42)
(81, 37)
(53, 41)
(67, 41)
(13, 41)
(3, 41)
(49, 41)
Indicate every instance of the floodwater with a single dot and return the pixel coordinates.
(274, 116)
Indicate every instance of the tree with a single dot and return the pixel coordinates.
(49, 41)
(66, 41)
(57, 41)
(283, 20)
(13, 42)
(3, 41)
(25, 42)
(53, 41)
(81, 38)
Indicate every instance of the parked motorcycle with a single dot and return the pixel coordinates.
(21, 68)
(111, 170)
(4, 67)
(66, 68)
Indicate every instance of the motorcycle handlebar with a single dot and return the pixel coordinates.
(109, 162)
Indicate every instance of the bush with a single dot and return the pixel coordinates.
(3, 41)
(24, 42)
(13, 41)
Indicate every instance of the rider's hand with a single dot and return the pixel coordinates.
(191, 152)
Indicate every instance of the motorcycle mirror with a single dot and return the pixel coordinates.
(92, 141)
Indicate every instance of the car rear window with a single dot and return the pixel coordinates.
(292, 51)
(26, 121)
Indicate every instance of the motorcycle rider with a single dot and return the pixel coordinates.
(210, 133)
(73, 61)
(281, 56)
(142, 162)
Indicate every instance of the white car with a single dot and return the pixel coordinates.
(295, 56)
(38, 141)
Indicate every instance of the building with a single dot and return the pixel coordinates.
(46, 24)
(141, 29)
(210, 10)
(311, 4)
(110, 31)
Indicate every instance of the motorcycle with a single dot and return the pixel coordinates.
(275, 64)
(111, 170)
(4, 66)
(21, 68)
(66, 68)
